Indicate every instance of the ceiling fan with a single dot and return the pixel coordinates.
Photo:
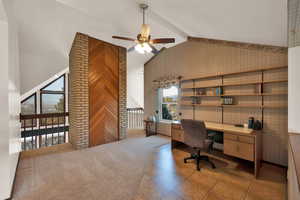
(144, 43)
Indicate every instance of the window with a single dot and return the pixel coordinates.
(28, 107)
(168, 103)
(52, 100)
(53, 96)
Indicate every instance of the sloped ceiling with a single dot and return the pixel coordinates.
(47, 27)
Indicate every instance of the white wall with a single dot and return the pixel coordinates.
(135, 81)
(294, 92)
(10, 104)
(4, 145)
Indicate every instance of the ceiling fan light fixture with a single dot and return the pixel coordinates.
(143, 48)
(144, 41)
(139, 49)
(147, 48)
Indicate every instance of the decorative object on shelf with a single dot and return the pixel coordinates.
(227, 101)
(201, 91)
(257, 125)
(166, 81)
(196, 100)
(250, 122)
(219, 91)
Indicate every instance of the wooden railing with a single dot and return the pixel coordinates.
(42, 130)
(135, 118)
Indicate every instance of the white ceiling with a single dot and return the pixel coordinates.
(2, 12)
(256, 21)
(47, 27)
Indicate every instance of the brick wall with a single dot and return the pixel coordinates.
(123, 119)
(294, 23)
(78, 91)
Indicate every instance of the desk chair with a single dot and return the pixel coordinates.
(195, 136)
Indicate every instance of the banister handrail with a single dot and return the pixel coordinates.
(137, 108)
(135, 118)
(41, 130)
(44, 115)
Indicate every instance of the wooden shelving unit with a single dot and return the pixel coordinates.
(233, 73)
(246, 94)
(235, 106)
(225, 83)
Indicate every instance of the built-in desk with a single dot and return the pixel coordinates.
(239, 142)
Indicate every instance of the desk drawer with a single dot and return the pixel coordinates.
(239, 138)
(229, 136)
(177, 135)
(239, 149)
(246, 139)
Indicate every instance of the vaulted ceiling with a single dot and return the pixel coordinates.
(47, 27)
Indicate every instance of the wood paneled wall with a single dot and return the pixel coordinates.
(103, 92)
(200, 57)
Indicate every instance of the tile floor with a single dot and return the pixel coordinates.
(139, 168)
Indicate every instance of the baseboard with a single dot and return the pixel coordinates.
(278, 165)
(14, 181)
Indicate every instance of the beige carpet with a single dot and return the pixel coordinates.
(110, 171)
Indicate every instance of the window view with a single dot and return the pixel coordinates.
(52, 103)
(28, 107)
(53, 97)
(53, 100)
(169, 103)
(57, 85)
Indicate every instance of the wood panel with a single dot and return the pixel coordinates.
(103, 92)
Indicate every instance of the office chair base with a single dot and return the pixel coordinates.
(198, 157)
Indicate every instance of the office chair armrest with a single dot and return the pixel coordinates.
(208, 144)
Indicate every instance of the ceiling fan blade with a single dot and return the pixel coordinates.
(123, 38)
(130, 49)
(162, 40)
(154, 50)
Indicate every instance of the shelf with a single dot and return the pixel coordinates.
(238, 84)
(233, 73)
(242, 106)
(235, 106)
(249, 94)
(275, 106)
(204, 95)
(232, 95)
(274, 94)
(276, 81)
(201, 105)
(201, 87)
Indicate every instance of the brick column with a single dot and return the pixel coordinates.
(123, 118)
(78, 88)
(294, 23)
